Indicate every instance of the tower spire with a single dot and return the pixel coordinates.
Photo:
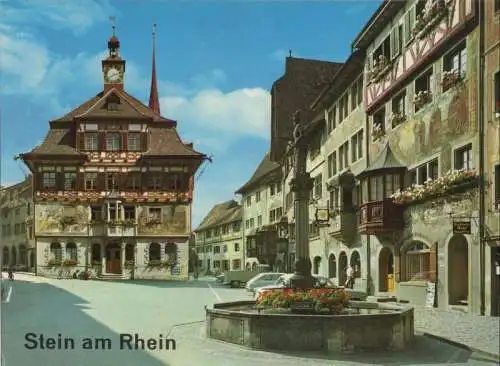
(154, 102)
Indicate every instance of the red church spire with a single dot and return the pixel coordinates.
(154, 102)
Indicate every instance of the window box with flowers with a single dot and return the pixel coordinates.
(323, 300)
(70, 262)
(381, 67)
(54, 263)
(397, 118)
(153, 221)
(430, 18)
(456, 181)
(377, 131)
(155, 263)
(97, 222)
(497, 109)
(450, 79)
(421, 99)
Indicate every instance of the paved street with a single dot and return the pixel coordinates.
(79, 309)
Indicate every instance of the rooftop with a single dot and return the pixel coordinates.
(223, 213)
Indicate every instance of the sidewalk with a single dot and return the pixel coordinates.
(478, 333)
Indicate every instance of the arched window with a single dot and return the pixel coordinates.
(23, 255)
(96, 253)
(356, 264)
(332, 266)
(154, 252)
(14, 256)
(171, 253)
(71, 251)
(416, 262)
(316, 264)
(6, 256)
(56, 252)
(129, 252)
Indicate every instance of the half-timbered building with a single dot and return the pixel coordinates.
(113, 186)
(419, 202)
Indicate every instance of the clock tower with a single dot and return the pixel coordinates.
(113, 67)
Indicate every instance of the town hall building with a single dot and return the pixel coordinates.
(113, 186)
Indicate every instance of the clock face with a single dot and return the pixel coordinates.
(113, 75)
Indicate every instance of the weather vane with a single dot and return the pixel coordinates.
(289, 53)
(112, 19)
(154, 29)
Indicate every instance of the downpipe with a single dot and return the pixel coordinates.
(482, 191)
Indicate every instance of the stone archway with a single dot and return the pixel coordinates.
(316, 264)
(254, 266)
(247, 267)
(332, 266)
(355, 263)
(342, 268)
(458, 270)
(386, 270)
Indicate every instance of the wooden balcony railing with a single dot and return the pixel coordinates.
(380, 217)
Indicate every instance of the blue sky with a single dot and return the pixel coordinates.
(216, 61)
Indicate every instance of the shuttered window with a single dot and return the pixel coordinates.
(409, 22)
(396, 34)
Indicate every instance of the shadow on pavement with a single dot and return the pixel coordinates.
(423, 351)
(44, 309)
(172, 283)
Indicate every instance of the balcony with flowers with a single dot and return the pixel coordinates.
(422, 98)
(397, 118)
(381, 66)
(451, 79)
(430, 16)
(453, 182)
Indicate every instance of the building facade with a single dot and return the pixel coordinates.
(113, 186)
(337, 153)
(419, 193)
(262, 201)
(18, 244)
(491, 53)
(219, 239)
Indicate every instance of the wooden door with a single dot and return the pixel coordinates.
(113, 261)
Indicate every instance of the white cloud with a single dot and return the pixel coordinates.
(75, 15)
(229, 115)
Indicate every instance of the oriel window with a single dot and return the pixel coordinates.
(69, 181)
(90, 181)
(49, 180)
(113, 142)
(111, 181)
(129, 212)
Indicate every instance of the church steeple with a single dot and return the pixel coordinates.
(154, 102)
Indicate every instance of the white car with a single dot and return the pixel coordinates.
(319, 281)
(263, 279)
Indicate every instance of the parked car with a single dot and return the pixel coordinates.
(239, 278)
(263, 279)
(319, 282)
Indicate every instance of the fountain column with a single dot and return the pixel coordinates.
(301, 185)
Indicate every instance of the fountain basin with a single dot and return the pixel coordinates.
(365, 327)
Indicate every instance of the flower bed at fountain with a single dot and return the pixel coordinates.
(324, 300)
(336, 325)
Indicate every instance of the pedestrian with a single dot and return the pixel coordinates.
(349, 283)
(11, 275)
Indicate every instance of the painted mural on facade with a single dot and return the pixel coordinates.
(173, 221)
(57, 218)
